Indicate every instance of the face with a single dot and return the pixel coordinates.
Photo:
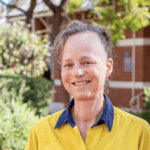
(85, 66)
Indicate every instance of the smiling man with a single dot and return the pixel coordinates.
(90, 121)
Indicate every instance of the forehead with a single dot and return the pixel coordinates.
(84, 37)
(84, 43)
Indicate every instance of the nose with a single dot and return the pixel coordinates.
(78, 71)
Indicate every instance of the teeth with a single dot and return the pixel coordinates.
(81, 83)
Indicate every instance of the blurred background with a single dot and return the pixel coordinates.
(30, 82)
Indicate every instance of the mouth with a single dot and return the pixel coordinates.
(81, 83)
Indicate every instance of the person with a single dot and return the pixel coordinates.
(90, 121)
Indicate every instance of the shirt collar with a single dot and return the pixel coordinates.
(107, 116)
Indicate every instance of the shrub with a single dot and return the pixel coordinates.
(38, 95)
(15, 125)
(146, 115)
(16, 119)
(7, 95)
(22, 52)
(147, 97)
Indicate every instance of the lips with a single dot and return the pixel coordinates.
(81, 83)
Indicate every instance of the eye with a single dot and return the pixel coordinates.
(68, 65)
(88, 62)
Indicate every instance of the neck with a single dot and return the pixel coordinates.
(88, 111)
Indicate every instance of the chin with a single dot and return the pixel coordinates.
(86, 96)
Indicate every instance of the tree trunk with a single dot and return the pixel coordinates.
(28, 13)
(58, 19)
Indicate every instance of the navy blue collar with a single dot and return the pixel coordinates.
(107, 116)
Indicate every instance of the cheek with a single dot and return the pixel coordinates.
(102, 71)
(99, 77)
(99, 72)
(64, 78)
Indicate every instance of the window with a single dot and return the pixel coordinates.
(127, 62)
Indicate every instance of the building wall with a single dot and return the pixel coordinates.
(121, 95)
(118, 73)
(139, 61)
(146, 66)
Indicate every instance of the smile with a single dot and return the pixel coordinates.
(81, 83)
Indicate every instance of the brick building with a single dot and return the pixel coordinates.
(131, 61)
(129, 84)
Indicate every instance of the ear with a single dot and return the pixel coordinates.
(109, 67)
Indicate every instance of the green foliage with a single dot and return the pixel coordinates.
(147, 98)
(113, 22)
(15, 126)
(131, 112)
(128, 14)
(16, 119)
(74, 4)
(146, 115)
(38, 95)
(100, 2)
(22, 52)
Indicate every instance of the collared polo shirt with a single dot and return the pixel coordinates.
(115, 130)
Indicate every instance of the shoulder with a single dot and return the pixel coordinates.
(49, 121)
(127, 118)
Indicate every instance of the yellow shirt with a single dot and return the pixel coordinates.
(115, 130)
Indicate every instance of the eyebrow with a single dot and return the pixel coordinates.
(82, 58)
(67, 60)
